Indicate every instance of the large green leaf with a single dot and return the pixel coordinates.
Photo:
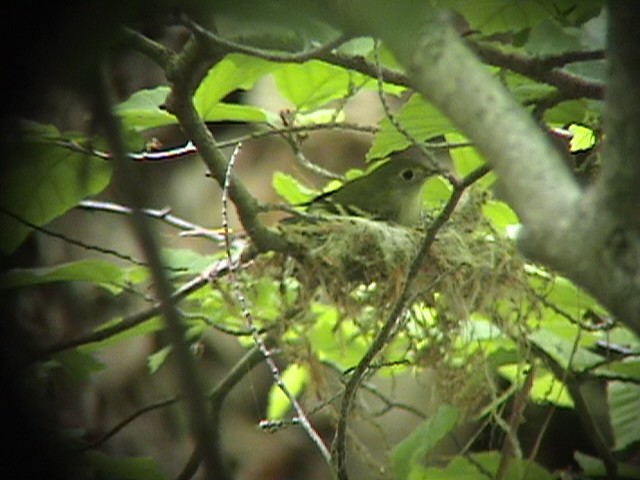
(624, 408)
(40, 181)
(314, 83)
(419, 119)
(413, 450)
(144, 110)
(234, 72)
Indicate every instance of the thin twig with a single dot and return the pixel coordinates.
(148, 47)
(72, 241)
(126, 323)
(511, 446)
(161, 214)
(394, 121)
(246, 312)
(382, 338)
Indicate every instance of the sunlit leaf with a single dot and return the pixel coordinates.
(583, 138)
(339, 343)
(436, 192)
(467, 159)
(294, 377)
(184, 260)
(564, 352)
(545, 389)
(502, 218)
(314, 83)
(291, 190)
(235, 71)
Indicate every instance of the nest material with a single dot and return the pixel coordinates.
(466, 266)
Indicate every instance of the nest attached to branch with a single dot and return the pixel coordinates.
(336, 258)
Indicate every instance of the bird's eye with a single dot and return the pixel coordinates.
(407, 174)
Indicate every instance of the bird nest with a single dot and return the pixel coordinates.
(350, 261)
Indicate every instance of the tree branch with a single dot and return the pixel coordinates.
(186, 73)
(129, 184)
(545, 69)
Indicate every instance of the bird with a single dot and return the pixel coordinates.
(391, 192)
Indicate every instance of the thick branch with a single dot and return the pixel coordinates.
(545, 69)
(186, 73)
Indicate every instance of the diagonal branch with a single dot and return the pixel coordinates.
(385, 333)
(191, 382)
(186, 73)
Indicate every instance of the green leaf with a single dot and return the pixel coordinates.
(583, 137)
(157, 359)
(291, 190)
(436, 192)
(627, 368)
(418, 118)
(229, 112)
(235, 71)
(562, 351)
(105, 274)
(502, 218)
(545, 388)
(624, 409)
(149, 326)
(314, 83)
(593, 467)
(40, 182)
(493, 16)
(413, 449)
(128, 468)
(295, 378)
(467, 159)
(80, 365)
(567, 112)
(335, 340)
(142, 110)
(187, 260)
(549, 37)
(483, 465)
